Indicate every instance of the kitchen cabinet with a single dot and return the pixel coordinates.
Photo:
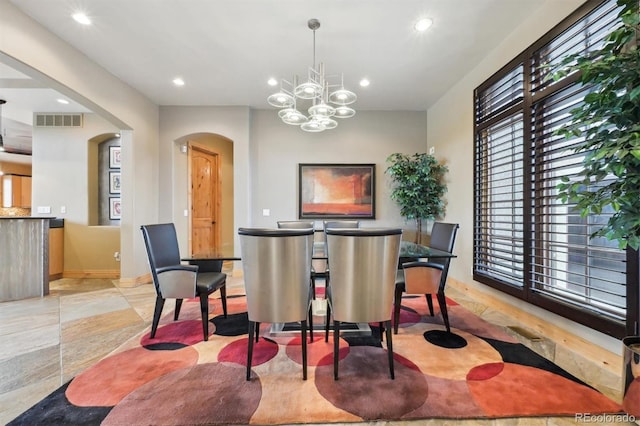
(56, 253)
(16, 191)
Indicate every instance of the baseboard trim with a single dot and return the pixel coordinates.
(134, 282)
(604, 358)
(88, 273)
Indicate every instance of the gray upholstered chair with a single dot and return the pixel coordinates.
(363, 271)
(173, 280)
(342, 224)
(277, 265)
(301, 224)
(295, 224)
(427, 277)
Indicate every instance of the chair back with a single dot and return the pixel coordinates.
(277, 266)
(443, 237)
(363, 270)
(341, 224)
(422, 278)
(295, 224)
(161, 243)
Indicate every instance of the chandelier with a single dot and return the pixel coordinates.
(327, 101)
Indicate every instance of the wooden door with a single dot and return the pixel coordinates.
(205, 199)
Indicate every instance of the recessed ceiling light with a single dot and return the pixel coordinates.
(178, 81)
(81, 18)
(364, 82)
(272, 82)
(423, 24)
(63, 101)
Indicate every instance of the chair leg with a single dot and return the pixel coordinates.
(313, 287)
(176, 313)
(429, 303)
(303, 327)
(442, 301)
(156, 315)
(390, 350)
(310, 323)
(204, 312)
(326, 324)
(257, 331)
(397, 301)
(336, 347)
(223, 298)
(381, 326)
(252, 327)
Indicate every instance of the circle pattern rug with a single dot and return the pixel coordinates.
(179, 379)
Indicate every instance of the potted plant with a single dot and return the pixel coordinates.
(417, 187)
(609, 122)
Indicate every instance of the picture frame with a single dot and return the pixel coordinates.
(336, 191)
(114, 157)
(114, 183)
(114, 208)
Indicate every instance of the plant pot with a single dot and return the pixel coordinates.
(631, 375)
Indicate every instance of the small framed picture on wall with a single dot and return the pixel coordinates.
(114, 208)
(114, 157)
(114, 182)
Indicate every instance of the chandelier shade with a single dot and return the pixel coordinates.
(327, 100)
(345, 112)
(281, 100)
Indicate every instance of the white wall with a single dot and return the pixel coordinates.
(33, 50)
(369, 137)
(266, 154)
(450, 132)
(61, 178)
(177, 122)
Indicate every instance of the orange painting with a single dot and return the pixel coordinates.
(337, 191)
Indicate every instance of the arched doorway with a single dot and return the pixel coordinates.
(209, 192)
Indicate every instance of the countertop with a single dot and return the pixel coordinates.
(54, 222)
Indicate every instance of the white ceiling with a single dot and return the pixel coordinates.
(226, 50)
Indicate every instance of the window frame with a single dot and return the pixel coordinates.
(525, 107)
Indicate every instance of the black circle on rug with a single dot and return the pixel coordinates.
(232, 325)
(165, 346)
(445, 340)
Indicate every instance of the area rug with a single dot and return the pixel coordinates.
(477, 371)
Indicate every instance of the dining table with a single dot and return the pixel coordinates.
(212, 261)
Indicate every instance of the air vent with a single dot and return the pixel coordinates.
(58, 120)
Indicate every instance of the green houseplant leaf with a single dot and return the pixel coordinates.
(609, 122)
(417, 186)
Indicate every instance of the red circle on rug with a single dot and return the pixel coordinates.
(407, 318)
(263, 351)
(485, 371)
(188, 332)
(319, 352)
(111, 379)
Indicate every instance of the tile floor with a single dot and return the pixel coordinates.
(44, 342)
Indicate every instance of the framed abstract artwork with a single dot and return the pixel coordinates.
(114, 208)
(114, 183)
(336, 191)
(114, 157)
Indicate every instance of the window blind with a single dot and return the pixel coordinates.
(527, 242)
